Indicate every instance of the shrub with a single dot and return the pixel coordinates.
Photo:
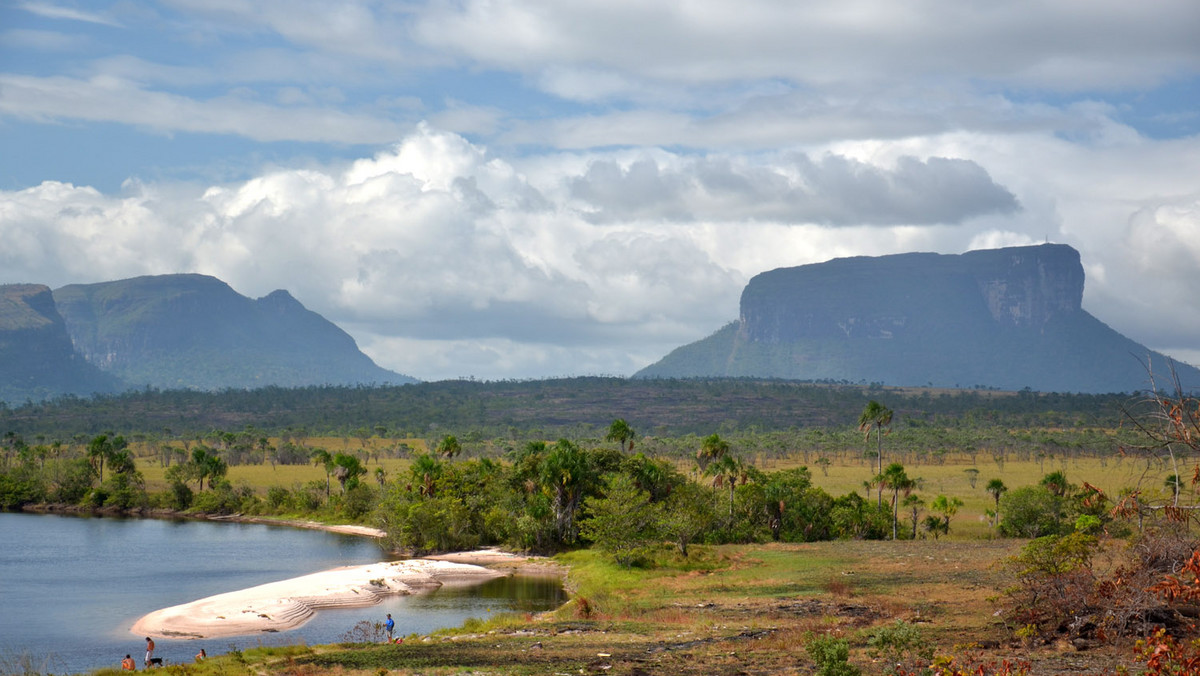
(278, 498)
(832, 656)
(1031, 512)
(901, 646)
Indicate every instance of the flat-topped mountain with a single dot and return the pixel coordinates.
(194, 331)
(1005, 318)
(37, 360)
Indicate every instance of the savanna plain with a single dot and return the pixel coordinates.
(1010, 534)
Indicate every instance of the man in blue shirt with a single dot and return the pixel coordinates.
(390, 625)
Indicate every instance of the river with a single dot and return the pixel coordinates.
(71, 587)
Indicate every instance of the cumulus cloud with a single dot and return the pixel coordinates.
(445, 259)
(432, 242)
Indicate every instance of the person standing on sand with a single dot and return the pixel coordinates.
(149, 650)
(389, 625)
(127, 664)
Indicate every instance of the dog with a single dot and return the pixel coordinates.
(155, 662)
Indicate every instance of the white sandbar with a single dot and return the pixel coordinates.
(284, 605)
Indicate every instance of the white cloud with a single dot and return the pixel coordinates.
(52, 11)
(109, 99)
(1040, 44)
(447, 260)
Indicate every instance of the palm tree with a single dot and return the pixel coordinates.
(347, 468)
(1056, 483)
(1174, 485)
(98, 449)
(567, 470)
(875, 417)
(947, 507)
(425, 470)
(449, 447)
(895, 478)
(102, 448)
(712, 448)
(726, 471)
(620, 432)
(914, 503)
(322, 457)
(997, 488)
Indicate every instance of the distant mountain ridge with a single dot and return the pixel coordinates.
(1005, 318)
(37, 360)
(184, 331)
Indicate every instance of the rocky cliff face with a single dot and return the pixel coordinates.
(1007, 318)
(37, 360)
(890, 297)
(1027, 287)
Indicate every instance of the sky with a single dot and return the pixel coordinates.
(514, 189)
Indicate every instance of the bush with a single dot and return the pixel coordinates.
(181, 495)
(278, 498)
(832, 656)
(1032, 512)
(901, 646)
(358, 501)
(1055, 583)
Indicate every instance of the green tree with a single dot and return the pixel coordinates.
(655, 476)
(875, 417)
(946, 508)
(568, 473)
(426, 470)
(726, 471)
(449, 447)
(620, 432)
(914, 504)
(1056, 483)
(895, 478)
(689, 512)
(322, 457)
(1031, 512)
(997, 489)
(347, 469)
(796, 510)
(101, 448)
(623, 522)
(712, 448)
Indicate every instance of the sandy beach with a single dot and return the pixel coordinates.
(284, 605)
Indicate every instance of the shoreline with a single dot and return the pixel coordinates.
(289, 604)
(170, 514)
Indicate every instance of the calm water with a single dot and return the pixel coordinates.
(71, 587)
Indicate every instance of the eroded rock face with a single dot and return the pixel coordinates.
(1028, 286)
(37, 359)
(1006, 318)
(888, 296)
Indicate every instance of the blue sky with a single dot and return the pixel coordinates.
(518, 188)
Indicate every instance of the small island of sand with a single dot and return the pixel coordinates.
(284, 605)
